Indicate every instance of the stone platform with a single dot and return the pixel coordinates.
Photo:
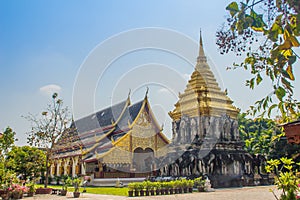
(105, 182)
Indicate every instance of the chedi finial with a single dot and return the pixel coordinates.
(201, 56)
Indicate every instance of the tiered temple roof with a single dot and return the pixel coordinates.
(203, 96)
(94, 136)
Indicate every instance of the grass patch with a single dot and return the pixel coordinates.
(94, 190)
(49, 186)
(107, 190)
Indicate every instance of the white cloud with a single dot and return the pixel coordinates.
(50, 89)
(163, 90)
(186, 76)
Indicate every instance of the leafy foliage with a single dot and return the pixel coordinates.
(266, 32)
(7, 140)
(286, 178)
(76, 181)
(257, 134)
(26, 161)
(264, 136)
(199, 182)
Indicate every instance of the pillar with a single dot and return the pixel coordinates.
(74, 163)
(58, 164)
(51, 169)
(66, 163)
(83, 165)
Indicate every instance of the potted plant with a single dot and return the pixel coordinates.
(136, 189)
(157, 188)
(31, 189)
(130, 189)
(141, 189)
(180, 186)
(151, 187)
(190, 184)
(168, 187)
(67, 181)
(177, 186)
(4, 192)
(200, 184)
(163, 189)
(172, 187)
(76, 183)
(146, 185)
(17, 191)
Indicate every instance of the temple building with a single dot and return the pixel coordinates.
(126, 141)
(120, 141)
(205, 136)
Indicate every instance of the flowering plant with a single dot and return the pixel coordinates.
(16, 188)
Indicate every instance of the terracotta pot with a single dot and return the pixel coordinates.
(136, 193)
(147, 192)
(152, 192)
(30, 194)
(142, 192)
(5, 195)
(167, 191)
(17, 195)
(201, 189)
(63, 192)
(43, 191)
(76, 194)
(157, 192)
(130, 193)
(3, 192)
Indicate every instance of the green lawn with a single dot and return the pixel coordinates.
(95, 190)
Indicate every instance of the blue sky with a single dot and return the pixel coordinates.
(44, 43)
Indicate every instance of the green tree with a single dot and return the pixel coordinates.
(7, 141)
(265, 32)
(258, 134)
(26, 161)
(48, 127)
(264, 136)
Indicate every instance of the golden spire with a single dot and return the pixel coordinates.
(201, 57)
(202, 95)
(128, 97)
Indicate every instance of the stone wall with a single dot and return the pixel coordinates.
(220, 128)
(209, 145)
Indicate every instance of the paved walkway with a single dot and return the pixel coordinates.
(245, 193)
